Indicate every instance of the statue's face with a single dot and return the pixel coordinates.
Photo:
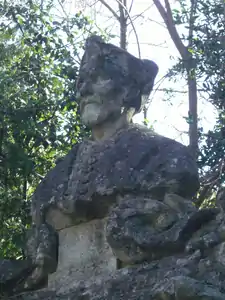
(101, 93)
(99, 101)
(111, 79)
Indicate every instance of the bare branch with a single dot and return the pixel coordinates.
(141, 14)
(159, 23)
(167, 16)
(189, 63)
(94, 3)
(62, 7)
(191, 22)
(131, 5)
(210, 180)
(182, 132)
(161, 45)
(121, 5)
(40, 176)
(110, 9)
(132, 24)
(123, 25)
(170, 91)
(159, 83)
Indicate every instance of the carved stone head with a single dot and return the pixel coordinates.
(112, 81)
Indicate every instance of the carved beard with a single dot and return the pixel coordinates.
(95, 114)
(90, 114)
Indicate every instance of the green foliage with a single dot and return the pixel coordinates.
(39, 117)
(209, 43)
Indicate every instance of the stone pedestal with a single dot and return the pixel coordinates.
(83, 253)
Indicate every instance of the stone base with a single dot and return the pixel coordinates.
(83, 253)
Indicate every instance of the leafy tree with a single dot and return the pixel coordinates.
(209, 46)
(39, 117)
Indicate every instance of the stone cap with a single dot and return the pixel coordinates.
(111, 62)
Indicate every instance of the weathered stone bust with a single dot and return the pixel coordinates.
(123, 199)
(121, 161)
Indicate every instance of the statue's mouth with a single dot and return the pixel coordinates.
(88, 100)
(84, 103)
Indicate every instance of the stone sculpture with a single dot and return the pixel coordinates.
(126, 193)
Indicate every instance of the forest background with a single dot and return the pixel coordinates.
(41, 44)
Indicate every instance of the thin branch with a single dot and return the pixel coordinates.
(40, 176)
(191, 23)
(141, 14)
(131, 5)
(63, 9)
(118, 19)
(170, 90)
(150, 44)
(210, 180)
(123, 25)
(110, 9)
(167, 17)
(215, 174)
(181, 132)
(159, 23)
(159, 82)
(132, 24)
(94, 3)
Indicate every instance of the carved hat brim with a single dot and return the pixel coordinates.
(127, 70)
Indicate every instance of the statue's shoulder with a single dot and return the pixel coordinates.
(158, 160)
(55, 180)
(144, 139)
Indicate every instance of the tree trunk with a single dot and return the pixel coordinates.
(123, 25)
(166, 14)
(193, 125)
